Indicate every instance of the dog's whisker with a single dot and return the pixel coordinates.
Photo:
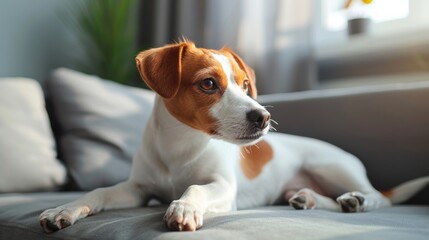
(247, 150)
(268, 106)
(274, 121)
(273, 128)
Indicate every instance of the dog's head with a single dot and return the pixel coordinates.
(210, 90)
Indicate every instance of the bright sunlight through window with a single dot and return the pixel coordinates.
(335, 15)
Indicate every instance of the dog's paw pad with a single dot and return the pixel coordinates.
(183, 216)
(48, 226)
(53, 220)
(352, 202)
(303, 200)
(64, 223)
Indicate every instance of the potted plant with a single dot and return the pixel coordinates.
(107, 32)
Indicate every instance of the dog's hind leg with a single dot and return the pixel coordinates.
(123, 195)
(346, 175)
(339, 173)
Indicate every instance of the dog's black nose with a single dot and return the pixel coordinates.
(259, 117)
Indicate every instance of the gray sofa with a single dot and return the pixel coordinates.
(98, 124)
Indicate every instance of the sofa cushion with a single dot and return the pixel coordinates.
(27, 147)
(19, 220)
(101, 125)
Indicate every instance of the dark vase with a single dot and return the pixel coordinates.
(357, 26)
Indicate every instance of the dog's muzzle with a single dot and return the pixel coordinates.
(247, 130)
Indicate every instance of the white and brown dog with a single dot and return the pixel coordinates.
(205, 149)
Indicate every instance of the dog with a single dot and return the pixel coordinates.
(206, 148)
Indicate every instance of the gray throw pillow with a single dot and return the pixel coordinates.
(27, 147)
(101, 125)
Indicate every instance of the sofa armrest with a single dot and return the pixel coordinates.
(386, 126)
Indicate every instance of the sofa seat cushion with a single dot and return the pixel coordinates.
(19, 220)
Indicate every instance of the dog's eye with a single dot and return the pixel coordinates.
(208, 85)
(246, 86)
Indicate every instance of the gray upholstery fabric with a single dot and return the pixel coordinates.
(101, 125)
(386, 126)
(19, 214)
(27, 148)
(357, 119)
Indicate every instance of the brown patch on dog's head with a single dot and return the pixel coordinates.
(175, 73)
(161, 68)
(254, 158)
(249, 73)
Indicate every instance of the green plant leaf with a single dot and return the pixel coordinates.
(107, 30)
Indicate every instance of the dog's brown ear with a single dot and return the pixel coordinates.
(161, 68)
(248, 70)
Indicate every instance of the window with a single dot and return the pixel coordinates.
(335, 15)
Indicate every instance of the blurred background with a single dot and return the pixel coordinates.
(292, 45)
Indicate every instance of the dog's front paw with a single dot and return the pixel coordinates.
(183, 216)
(303, 200)
(352, 202)
(58, 218)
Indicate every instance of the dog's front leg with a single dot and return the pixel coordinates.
(123, 195)
(186, 213)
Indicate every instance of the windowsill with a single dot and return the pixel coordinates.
(374, 80)
(366, 46)
(363, 56)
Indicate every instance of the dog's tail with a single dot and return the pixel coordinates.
(406, 190)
